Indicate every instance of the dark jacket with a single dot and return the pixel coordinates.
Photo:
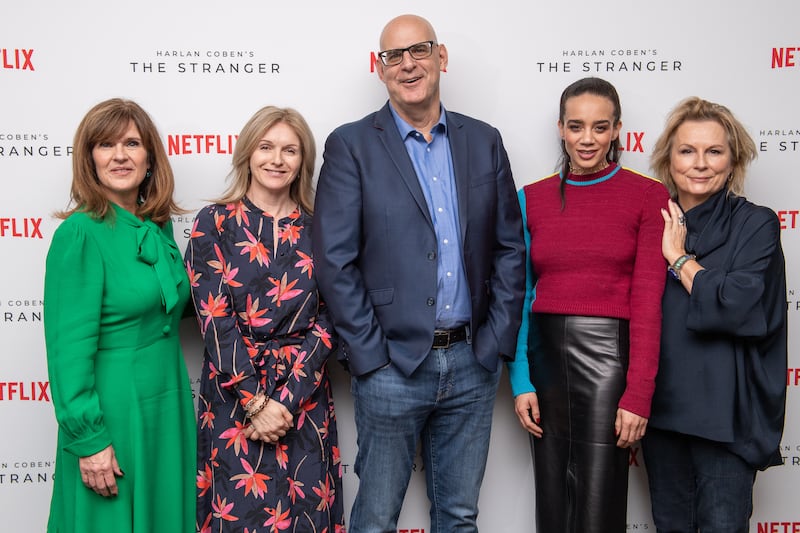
(722, 372)
(375, 245)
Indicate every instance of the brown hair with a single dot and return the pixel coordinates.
(743, 149)
(108, 120)
(301, 189)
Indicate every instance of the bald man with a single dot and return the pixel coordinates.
(419, 255)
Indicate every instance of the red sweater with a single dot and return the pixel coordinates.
(601, 256)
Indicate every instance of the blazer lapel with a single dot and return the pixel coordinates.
(390, 137)
(459, 148)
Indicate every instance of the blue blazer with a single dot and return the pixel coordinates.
(375, 247)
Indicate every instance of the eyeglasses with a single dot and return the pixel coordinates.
(417, 51)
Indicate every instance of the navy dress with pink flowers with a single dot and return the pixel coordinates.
(265, 329)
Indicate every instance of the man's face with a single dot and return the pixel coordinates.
(413, 84)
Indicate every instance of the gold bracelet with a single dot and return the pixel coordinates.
(250, 411)
(250, 402)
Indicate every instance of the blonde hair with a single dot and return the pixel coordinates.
(301, 189)
(106, 121)
(743, 149)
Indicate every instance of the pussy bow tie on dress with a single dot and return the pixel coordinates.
(148, 241)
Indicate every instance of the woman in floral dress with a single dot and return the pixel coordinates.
(268, 458)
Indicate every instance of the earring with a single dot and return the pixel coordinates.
(147, 174)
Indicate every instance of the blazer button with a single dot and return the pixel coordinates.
(431, 256)
(166, 329)
(431, 301)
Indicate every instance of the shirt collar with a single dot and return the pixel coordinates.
(405, 128)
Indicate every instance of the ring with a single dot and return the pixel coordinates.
(681, 220)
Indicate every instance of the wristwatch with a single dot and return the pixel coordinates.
(675, 268)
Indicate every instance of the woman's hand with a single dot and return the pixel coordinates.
(674, 238)
(271, 423)
(99, 471)
(526, 406)
(628, 427)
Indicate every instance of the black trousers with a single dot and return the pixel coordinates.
(578, 366)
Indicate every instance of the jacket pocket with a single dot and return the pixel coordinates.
(381, 296)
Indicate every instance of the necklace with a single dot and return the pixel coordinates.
(581, 171)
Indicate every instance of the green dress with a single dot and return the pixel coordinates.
(115, 291)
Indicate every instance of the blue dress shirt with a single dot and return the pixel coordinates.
(433, 164)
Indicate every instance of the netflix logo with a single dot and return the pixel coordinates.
(200, 143)
(30, 391)
(17, 58)
(788, 218)
(779, 527)
(631, 141)
(785, 57)
(27, 228)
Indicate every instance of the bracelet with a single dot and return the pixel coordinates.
(675, 268)
(251, 411)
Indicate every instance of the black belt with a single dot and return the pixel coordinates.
(444, 338)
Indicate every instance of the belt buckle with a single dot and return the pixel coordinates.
(446, 333)
(438, 336)
(444, 338)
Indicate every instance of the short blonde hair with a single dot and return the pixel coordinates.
(301, 190)
(742, 147)
(106, 121)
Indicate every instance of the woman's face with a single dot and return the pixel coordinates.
(700, 161)
(588, 129)
(275, 163)
(121, 165)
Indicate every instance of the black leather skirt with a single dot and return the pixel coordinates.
(578, 366)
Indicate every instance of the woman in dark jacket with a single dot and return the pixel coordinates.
(718, 409)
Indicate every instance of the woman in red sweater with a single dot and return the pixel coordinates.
(588, 350)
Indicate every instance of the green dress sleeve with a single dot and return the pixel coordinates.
(73, 294)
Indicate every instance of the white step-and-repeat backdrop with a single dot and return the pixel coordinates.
(202, 68)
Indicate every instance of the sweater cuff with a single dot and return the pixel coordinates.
(519, 376)
(637, 402)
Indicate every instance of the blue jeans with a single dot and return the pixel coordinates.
(447, 403)
(697, 484)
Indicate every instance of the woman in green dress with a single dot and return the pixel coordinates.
(115, 290)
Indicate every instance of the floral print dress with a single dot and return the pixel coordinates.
(265, 330)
